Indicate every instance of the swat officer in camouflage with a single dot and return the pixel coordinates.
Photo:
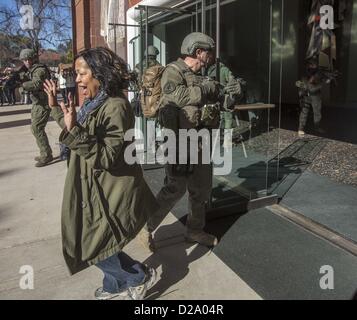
(184, 88)
(152, 52)
(32, 81)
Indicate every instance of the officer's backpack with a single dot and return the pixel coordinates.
(150, 94)
(151, 91)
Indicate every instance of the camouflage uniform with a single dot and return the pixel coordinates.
(151, 53)
(40, 112)
(181, 87)
(151, 62)
(224, 77)
(310, 97)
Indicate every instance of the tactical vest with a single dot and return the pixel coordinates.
(195, 117)
(168, 114)
(188, 117)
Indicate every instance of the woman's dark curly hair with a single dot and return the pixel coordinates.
(110, 70)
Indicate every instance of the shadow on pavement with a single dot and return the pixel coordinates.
(4, 173)
(174, 261)
(14, 112)
(17, 123)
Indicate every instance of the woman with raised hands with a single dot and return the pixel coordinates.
(106, 201)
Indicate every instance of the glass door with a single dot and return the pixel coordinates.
(251, 47)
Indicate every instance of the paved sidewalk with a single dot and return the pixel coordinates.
(30, 203)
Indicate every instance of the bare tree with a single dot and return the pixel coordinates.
(52, 22)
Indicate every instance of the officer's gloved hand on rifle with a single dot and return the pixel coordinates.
(233, 87)
(210, 89)
(232, 92)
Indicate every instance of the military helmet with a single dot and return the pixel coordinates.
(194, 41)
(27, 54)
(152, 51)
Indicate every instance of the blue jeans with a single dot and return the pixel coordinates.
(121, 272)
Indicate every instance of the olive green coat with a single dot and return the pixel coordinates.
(106, 201)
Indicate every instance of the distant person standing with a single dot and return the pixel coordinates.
(70, 83)
(10, 87)
(2, 89)
(152, 52)
(33, 81)
(62, 85)
(310, 98)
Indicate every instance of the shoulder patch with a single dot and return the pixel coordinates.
(169, 87)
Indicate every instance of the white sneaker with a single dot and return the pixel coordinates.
(139, 292)
(201, 237)
(301, 133)
(100, 294)
(132, 293)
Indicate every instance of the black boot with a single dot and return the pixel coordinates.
(43, 161)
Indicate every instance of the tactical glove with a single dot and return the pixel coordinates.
(210, 89)
(233, 87)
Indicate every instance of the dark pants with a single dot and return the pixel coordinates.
(10, 95)
(121, 272)
(308, 103)
(64, 95)
(199, 186)
(1, 95)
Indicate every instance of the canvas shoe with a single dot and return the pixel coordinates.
(301, 133)
(100, 294)
(139, 292)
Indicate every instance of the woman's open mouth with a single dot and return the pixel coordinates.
(84, 90)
